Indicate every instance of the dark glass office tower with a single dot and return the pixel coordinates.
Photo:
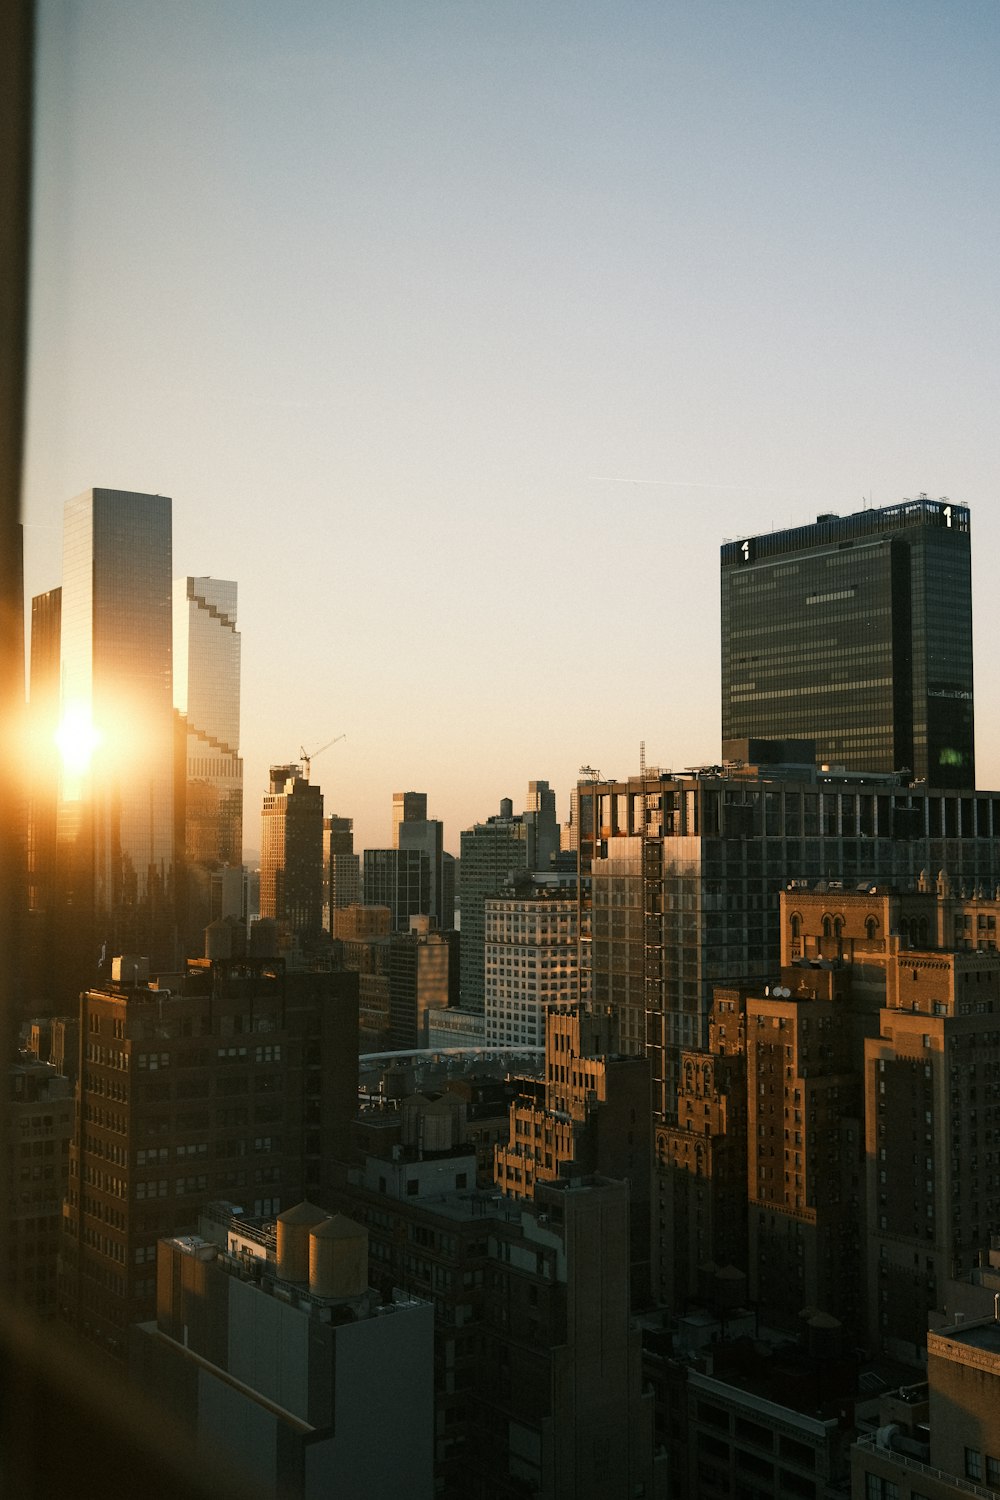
(856, 632)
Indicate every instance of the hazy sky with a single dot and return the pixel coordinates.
(462, 333)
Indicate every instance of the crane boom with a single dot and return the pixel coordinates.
(308, 757)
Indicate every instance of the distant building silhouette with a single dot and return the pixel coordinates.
(341, 868)
(291, 853)
(407, 807)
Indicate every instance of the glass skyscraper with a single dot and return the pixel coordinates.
(116, 804)
(207, 698)
(856, 632)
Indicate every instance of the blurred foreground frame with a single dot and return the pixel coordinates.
(67, 1426)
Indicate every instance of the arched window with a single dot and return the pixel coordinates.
(923, 931)
(796, 925)
(827, 927)
(838, 926)
(871, 927)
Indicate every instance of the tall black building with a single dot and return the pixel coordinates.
(856, 632)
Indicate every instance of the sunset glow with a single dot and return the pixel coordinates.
(77, 740)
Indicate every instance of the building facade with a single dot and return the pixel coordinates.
(273, 1351)
(419, 966)
(232, 1080)
(427, 836)
(407, 807)
(686, 872)
(491, 853)
(939, 1440)
(590, 1111)
(932, 1097)
(39, 1125)
(116, 806)
(856, 632)
(291, 852)
(341, 868)
(43, 938)
(206, 658)
(561, 1408)
(531, 961)
(399, 879)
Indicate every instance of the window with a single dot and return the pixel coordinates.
(877, 1488)
(973, 1463)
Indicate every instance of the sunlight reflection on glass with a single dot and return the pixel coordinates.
(77, 740)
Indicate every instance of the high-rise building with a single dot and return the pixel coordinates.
(593, 1111)
(805, 1155)
(341, 868)
(42, 952)
(291, 852)
(685, 874)
(43, 717)
(701, 1177)
(560, 1405)
(856, 632)
(116, 810)
(931, 1110)
(39, 1125)
(419, 964)
(399, 879)
(407, 807)
(207, 696)
(543, 825)
(492, 853)
(363, 937)
(427, 834)
(532, 961)
(537, 1378)
(686, 870)
(233, 1080)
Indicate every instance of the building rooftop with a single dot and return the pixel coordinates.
(984, 1335)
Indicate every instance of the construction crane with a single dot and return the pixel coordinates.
(307, 759)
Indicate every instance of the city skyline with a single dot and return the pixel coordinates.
(490, 322)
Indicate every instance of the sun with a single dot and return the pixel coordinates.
(77, 740)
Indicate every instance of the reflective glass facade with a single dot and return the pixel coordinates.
(116, 812)
(401, 880)
(207, 694)
(856, 632)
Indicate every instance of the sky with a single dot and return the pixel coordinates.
(463, 332)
